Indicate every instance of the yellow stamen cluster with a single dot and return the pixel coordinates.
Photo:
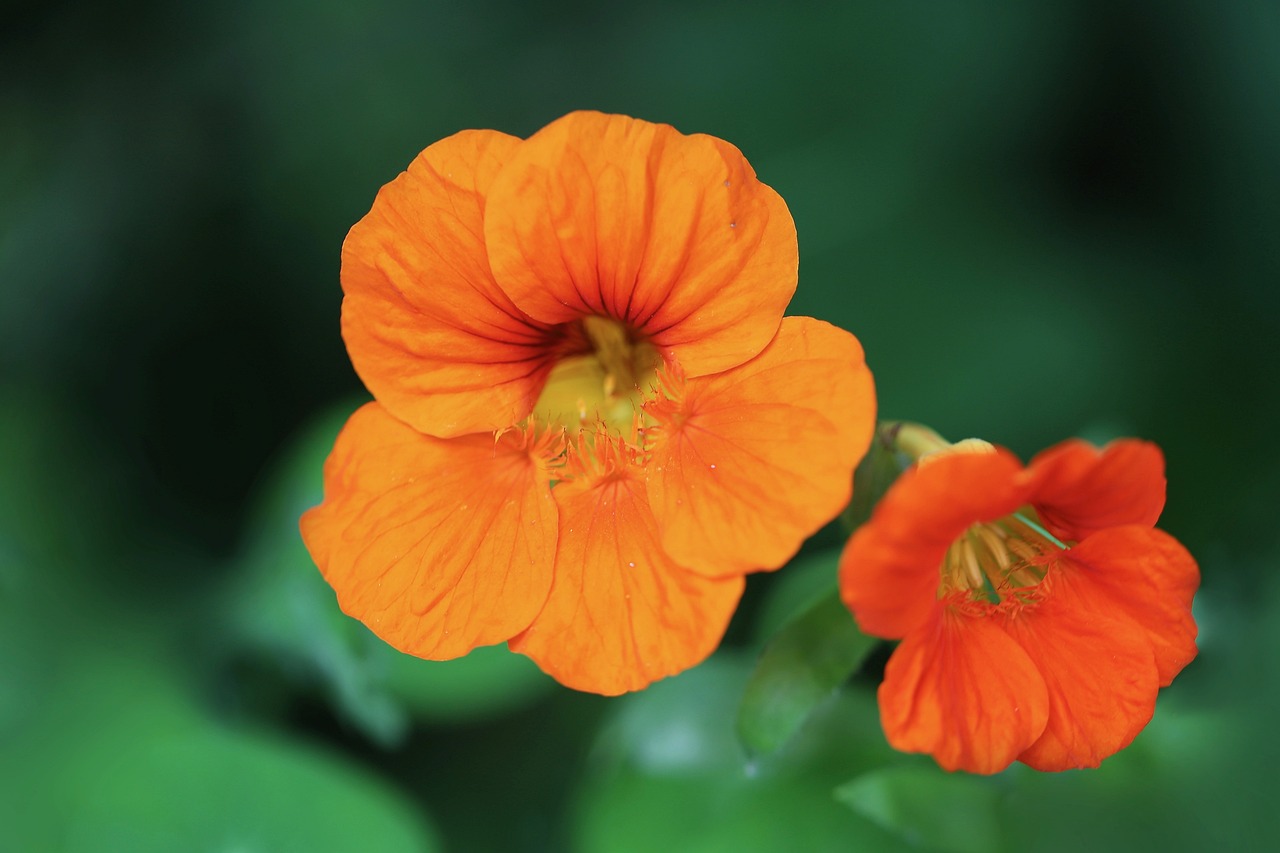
(998, 559)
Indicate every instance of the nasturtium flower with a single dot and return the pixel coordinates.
(1039, 608)
(590, 418)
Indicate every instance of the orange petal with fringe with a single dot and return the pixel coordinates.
(728, 487)
(621, 613)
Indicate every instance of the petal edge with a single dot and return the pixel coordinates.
(621, 614)
(1080, 489)
(749, 463)
(437, 545)
(962, 690)
(431, 335)
(672, 234)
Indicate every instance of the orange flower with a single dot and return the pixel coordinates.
(596, 309)
(1039, 609)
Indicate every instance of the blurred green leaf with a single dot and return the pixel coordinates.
(1192, 780)
(48, 485)
(697, 816)
(119, 756)
(796, 587)
(281, 613)
(490, 680)
(800, 668)
(284, 616)
(928, 808)
(668, 773)
(209, 789)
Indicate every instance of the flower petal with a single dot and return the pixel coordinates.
(889, 571)
(1098, 666)
(438, 546)
(621, 613)
(671, 234)
(750, 462)
(1147, 574)
(1080, 489)
(430, 334)
(961, 690)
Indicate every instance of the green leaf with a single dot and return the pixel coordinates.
(928, 808)
(800, 668)
(51, 483)
(669, 752)
(808, 577)
(283, 620)
(118, 756)
(488, 681)
(213, 789)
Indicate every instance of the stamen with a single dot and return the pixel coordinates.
(970, 562)
(1004, 560)
(994, 544)
(1023, 549)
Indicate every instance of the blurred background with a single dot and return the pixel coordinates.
(1042, 220)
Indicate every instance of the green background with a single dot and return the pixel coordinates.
(1042, 220)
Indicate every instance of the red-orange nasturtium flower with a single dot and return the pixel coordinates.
(590, 417)
(1039, 609)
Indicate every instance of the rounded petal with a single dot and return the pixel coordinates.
(750, 462)
(1098, 666)
(437, 545)
(621, 613)
(672, 234)
(1148, 575)
(889, 571)
(430, 334)
(962, 691)
(1079, 489)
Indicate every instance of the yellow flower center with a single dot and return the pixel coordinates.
(997, 560)
(606, 385)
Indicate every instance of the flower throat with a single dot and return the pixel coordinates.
(997, 560)
(604, 381)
